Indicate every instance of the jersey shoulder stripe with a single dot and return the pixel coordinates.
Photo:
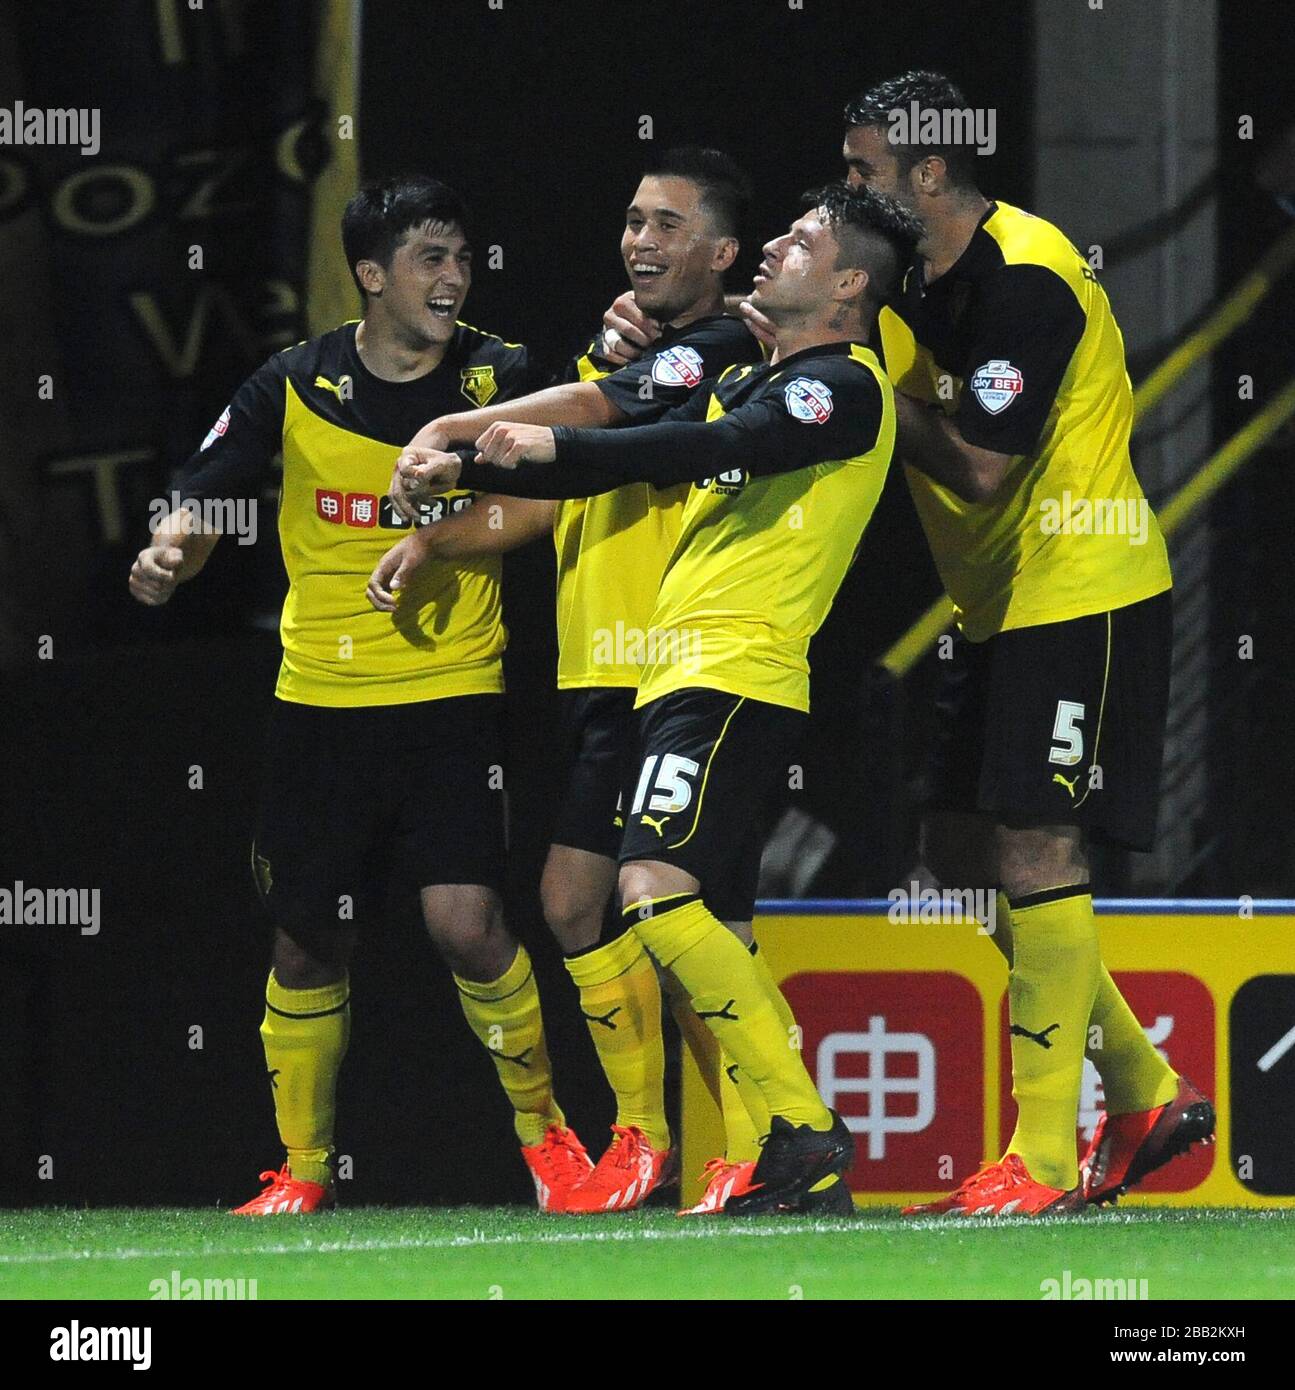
(1026, 240)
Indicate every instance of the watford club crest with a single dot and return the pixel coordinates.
(478, 384)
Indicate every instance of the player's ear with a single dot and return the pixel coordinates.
(371, 275)
(726, 250)
(852, 284)
(929, 175)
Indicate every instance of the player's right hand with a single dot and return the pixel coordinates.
(420, 474)
(393, 572)
(154, 574)
(627, 331)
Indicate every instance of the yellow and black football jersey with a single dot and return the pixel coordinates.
(339, 428)
(787, 461)
(612, 548)
(1017, 342)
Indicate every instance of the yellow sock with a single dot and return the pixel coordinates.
(736, 1096)
(698, 1039)
(305, 1032)
(505, 1016)
(728, 992)
(621, 1001)
(1055, 969)
(1134, 1075)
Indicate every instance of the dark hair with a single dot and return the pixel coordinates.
(725, 188)
(931, 91)
(378, 217)
(873, 232)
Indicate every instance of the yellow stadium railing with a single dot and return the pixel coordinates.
(904, 654)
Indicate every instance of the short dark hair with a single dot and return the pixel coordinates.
(725, 188)
(378, 217)
(931, 91)
(873, 232)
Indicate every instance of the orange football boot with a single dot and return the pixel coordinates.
(1004, 1188)
(287, 1196)
(725, 1180)
(627, 1173)
(557, 1163)
(1125, 1148)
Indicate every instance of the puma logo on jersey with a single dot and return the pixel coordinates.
(342, 389)
(1041, 1038)
(1069, 785)
(604, 1019)
(657, 825)
(725, 1012)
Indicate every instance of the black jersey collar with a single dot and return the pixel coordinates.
(968, 264)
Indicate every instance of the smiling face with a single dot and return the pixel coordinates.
(672, 252)
(799, 274)
(422, 291)
(871, 161)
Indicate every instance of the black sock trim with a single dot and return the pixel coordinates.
(322, 1013)
(612, 931)
(1051, 895)
(634, 913)
(498, 998)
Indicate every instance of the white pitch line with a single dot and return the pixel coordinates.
(1277, 1051)
(709, 1232)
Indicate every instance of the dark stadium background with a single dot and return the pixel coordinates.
(532, 112)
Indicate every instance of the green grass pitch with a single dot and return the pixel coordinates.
(494, 1252)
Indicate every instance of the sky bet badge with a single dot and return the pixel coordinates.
(997, 384)
(478, 384)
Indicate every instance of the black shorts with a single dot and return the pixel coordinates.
(1060, 724)
(710, 768)
(601, 731)
(355, 797)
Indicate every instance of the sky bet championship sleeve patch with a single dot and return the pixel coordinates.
(216, 431)
(996, 385)
(808, 401)
(678, 366)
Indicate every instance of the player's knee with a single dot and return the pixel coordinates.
(1033, 858)
(639, 883)
(467, 926)
(573, 918)
(307, 960)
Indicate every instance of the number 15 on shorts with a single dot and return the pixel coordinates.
(671, 790)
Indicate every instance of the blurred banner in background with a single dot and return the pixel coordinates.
(148, 275)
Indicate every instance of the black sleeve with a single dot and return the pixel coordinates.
(830, 411)
(237, 456)
(664, 378)
(518, 376)
(1027, 326)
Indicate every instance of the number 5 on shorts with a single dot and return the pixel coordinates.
(672, 791)
(1069, 713)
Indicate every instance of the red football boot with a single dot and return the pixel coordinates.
(1125, 1148)
(558, 1163)
(287, 1196)
(625, 1176)
(725, 1180)
(1004, 1188)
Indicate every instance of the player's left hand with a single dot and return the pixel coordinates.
(508, 444)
